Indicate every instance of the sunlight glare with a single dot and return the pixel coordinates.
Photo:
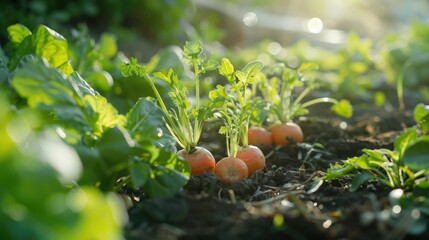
(250, 19)
(315, 25)
(274, 48)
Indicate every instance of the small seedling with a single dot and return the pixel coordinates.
(278, 87)
(184, 121)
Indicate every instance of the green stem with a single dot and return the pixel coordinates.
(283, 108)
(197, 129)
(158, 96)
(301, 96)
(319, 100)
(172, 126)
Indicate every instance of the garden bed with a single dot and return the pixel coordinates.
(275, 203)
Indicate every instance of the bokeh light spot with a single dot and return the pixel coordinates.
(315, 25)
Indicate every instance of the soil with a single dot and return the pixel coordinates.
(274, 203)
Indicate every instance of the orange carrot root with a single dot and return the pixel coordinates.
(231, 169)
(200, 160)
(259, 136)
(253, 157)
(282, 133)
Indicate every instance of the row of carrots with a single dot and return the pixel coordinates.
(248, 92)
(249, 159)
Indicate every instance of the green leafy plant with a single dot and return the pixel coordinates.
(279, 86)
(39, 197)
(110, 145)
(403, 167)
(236, 111)
(184, 121)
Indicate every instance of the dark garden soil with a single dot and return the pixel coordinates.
(274, 203)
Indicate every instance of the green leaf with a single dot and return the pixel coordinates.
(165, 182)
(42, 85)
(376, 157)
(241, 76)
(364, 162)
(102, 114)
(226, 69)
(167, 78)
(404, 140)
(45, 43)
(107, 45)
(359, 179)
(133, 68)
(289, 77)
(219, 93)
(339, 170)
(343, 108)
(416, 155)
(421, 116)
(53, 47)
(223, 130)
(192, 50)
(114, 147)
(250, 71)
(139, 173)
(45, 88)
(144, 122)
(308, 67)
(210, 65)
(100, 80)
(168, 173)
(17, 33)
(80, 86)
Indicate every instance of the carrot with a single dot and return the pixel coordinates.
(200, 160)
(284, 132)
(259, 136)
(231, 169)
(253, 157)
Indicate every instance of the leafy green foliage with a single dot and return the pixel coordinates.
(143, 123)
(93, 61)
(235, 107)
(34, 169)
(405, 166)
(44, 42)
(184, 120)
(415, 157)
(279, 85)
(108, 143)
(421, 115)
(408, 54)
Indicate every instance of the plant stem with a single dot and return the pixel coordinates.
(171, 126)
(197, 131)
(301, 96)
(283, 108)
(319, 100)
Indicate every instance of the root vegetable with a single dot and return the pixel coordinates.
(284, 132)
(253, 157)
(231, 169)
(199, 159)
(259, 136)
